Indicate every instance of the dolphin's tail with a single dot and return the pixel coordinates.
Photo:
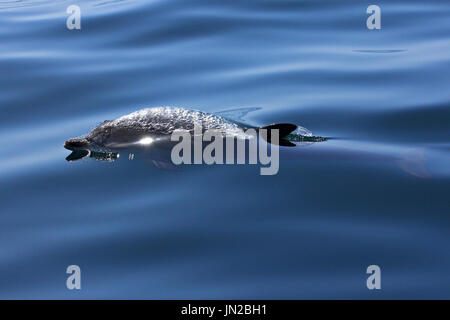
(284, 130)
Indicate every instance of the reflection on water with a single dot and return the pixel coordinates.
(81, 154)
(376, 192)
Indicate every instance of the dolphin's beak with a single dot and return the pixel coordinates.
(76, 144)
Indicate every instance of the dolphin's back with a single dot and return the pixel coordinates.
(159, 121)
(164, 120)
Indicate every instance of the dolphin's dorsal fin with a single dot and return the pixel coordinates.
(283, 128)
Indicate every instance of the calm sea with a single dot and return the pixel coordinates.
(375, 194)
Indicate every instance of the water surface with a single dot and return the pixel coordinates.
(377, 193)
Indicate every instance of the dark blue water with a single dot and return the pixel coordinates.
(377, 193)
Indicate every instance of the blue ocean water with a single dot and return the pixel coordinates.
(376, 193)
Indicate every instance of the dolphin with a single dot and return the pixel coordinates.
(146, 134)
(155, 124)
